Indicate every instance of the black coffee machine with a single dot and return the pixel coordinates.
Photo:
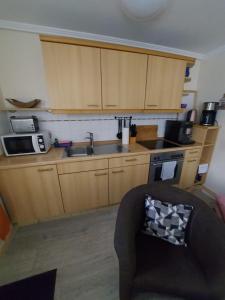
(209, 112)
(179, 132)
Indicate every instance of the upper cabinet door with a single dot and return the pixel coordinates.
(165, 83)
(73, 76)
(123, 79)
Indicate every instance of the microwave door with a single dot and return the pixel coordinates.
(19, 145)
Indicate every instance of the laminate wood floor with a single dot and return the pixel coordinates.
(80, 247)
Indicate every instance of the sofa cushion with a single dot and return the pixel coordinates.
(166, 220)
(165, 268)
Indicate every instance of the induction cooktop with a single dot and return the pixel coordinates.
(157, 144)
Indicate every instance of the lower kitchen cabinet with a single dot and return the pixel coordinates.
(85, 190)
(122, 179)
(189, 172)
(31, 194)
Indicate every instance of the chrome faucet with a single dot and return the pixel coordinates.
(91, 138)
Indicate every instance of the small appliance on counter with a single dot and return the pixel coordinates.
(191, 116)
(179, 132)
(24, 124)
(26, 143)
(209, 112)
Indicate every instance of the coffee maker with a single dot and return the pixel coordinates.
(209, 112)
(179, 132)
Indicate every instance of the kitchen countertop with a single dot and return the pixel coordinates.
(55, 155)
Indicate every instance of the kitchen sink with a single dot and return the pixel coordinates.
(97, 150)
(110, 149)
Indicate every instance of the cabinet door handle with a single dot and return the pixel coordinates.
(194, 152)
(45, 170)
(101, 174)
(132, 159)
(111, 105)
(119, 171)
(93, 105)
(192, 160)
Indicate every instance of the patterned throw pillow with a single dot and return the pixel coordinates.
(166, 221)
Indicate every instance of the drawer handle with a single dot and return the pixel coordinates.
(132, 159)
(45, 170)
(192, 160)
(194, 152)
(119, 171)
(93, 105)
(152, 105)
(111, 105)
(101, 174)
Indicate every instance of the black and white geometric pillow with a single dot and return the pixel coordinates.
(166, 220)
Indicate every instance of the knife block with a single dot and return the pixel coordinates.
(132, 139)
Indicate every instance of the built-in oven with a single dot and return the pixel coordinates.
(170, 163)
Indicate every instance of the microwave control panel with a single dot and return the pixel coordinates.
(41, 143)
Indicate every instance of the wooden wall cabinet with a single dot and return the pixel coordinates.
(165, 82)
(83, 78)
(31, 194)
(73, 76)
(123, 79)
(85, 190)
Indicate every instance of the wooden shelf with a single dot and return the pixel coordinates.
(206, 136)
(25, 109)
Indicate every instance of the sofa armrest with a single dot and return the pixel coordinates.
(207, 241)
(129, 221)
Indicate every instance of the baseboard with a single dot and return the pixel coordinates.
(209, 191)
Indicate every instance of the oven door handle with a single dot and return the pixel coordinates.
(160, 163)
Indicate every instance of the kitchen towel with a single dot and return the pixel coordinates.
(203, 168)
(168, 170)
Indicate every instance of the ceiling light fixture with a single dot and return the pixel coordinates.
(143, 10)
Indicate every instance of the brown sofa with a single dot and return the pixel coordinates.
(150, 264)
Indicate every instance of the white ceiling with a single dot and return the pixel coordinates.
(192, 25)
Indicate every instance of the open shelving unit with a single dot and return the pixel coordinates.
(205, 135)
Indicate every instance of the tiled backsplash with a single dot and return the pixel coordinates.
(104, 127)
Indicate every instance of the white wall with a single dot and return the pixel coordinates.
(21, 66)
(22, 77)
(104, 127)
(211, 88)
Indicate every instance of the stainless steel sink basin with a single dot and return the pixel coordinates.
(97, 150)
(110, 149)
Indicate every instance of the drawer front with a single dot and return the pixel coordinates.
(81, 166)
(128, 161)
(193, 153)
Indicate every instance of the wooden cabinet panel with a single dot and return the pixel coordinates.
(84, 191)
(73, 76)
(123, 79)
(82, 166)
(193, 153)
(122, 179)
(128, 160)
(31, 194)
(165, 82)
(189, 172)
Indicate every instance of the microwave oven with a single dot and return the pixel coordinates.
(26, 143)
